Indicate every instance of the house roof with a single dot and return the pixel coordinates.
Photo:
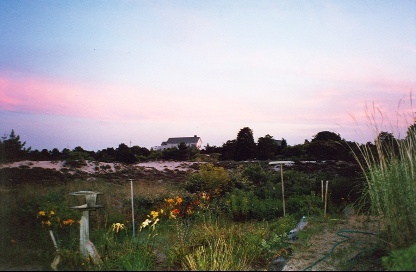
(186, 140)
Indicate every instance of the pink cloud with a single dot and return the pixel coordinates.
(45, 96)
(111, 102)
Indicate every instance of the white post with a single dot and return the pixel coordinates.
(283, 189)
(84, 232)
(132, 207)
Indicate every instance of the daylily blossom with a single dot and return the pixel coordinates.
(145, 224)
(154, 214)
(170, 201)
(68, 222)
(154, 224)
(117, 227)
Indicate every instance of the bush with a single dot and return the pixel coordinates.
(243, 205)
(401, 260)
(215, 181)
(304, 205)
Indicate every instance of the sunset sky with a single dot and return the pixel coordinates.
(99, 73)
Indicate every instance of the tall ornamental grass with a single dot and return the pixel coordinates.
(389, 168)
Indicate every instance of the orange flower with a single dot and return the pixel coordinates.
(68, 222)
(170, 201)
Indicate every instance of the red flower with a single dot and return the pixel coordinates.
(175, 211)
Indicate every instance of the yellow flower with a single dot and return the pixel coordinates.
(172, 215)
(205, 196)
(154, 223)
(117, 227)
(154, 214)
(178, 200)
(41, 213)
(145, 224)
(47, 223)
(51, 213)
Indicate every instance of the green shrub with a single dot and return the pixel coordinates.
(243, 205)
(214, 181)
(283, 225)
(401, 260)
(304, 205)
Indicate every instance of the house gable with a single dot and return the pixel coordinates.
(174, 142)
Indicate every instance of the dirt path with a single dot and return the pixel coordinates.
(332, 244)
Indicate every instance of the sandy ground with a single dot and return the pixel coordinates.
(111, 167)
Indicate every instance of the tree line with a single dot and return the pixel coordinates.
(325, 145)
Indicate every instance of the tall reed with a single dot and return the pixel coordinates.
(389, 168)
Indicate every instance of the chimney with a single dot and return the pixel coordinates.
(195, 136)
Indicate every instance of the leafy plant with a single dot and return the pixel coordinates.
(218, 255)
(213, 180)
(401, 259)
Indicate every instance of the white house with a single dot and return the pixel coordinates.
(174, 142)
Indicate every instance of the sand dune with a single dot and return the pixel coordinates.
(92, 166)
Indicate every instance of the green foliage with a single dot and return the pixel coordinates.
(218, 255)
(214, 181)
(401, 259)
(245, 205)
(35, 175)
(122, 252)
(304, 205)
(283, 224)
(274, 243)
(389, 174)
(256, 174)
(143, 204)
(183, 152)
(298, 183)
(77, 157)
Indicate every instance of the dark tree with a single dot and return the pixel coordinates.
(266, 147)
(284, 143)
(326, 136)
(328, 145)
(295, 152)
(124, 154)
(77, 157)
(171, 153)
(228, 150)
(55, 154)
(106, 155)
(12, 149)
(245, 146)
(211, 149)
(44, 155)
(140, 151)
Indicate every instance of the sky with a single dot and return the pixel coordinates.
(97, 74)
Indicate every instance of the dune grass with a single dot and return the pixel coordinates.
(389, 168)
